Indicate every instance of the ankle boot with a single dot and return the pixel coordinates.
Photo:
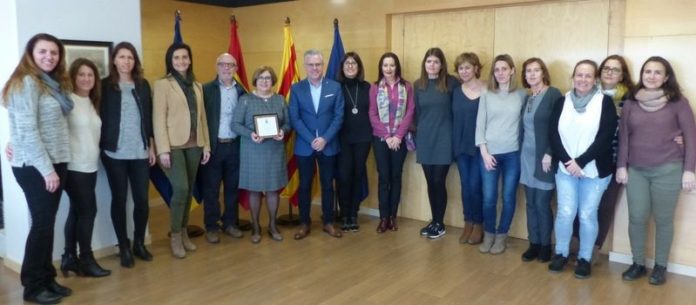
(532, 252)
(124, 251)
(466, 233)
(176, 245)
(544, 253)
(393, 225)
(140, 251)
(186, 241)
(89, 266)
(383, 225)
(499, 244)
(476, 236)
(69, 262)
(488, 239)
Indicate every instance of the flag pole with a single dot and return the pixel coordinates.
(289, 219)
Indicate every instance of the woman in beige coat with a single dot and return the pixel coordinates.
(181, 138)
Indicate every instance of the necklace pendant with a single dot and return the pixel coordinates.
(355, 110)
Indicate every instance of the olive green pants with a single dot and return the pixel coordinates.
(655, 191)
(182, 176)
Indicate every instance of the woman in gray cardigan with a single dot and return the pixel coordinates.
(535, 158)
(36, 97)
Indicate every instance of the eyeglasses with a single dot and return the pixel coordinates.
(264, 78)
(350, 63)
(228, 65)
(610, 70)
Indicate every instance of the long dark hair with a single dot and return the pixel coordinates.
(670, 87)
(422, 82)
(341, 77)
(168, 59)
(95, 93)
(397, 63)
(136, 73)
(626, 80)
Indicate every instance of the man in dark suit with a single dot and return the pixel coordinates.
(220, 97)
(316, 114)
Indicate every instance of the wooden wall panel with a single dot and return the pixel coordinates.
(551, 32)
(551, 35)
(660, 18)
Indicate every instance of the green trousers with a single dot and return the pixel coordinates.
(182, 176)
(655, 191)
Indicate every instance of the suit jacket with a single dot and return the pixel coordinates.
(211, 98)
(171, 118)
(308, 123)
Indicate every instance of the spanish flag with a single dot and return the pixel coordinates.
(235, 50)
(290, 75)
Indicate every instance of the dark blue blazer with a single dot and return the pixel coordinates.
(309, 123)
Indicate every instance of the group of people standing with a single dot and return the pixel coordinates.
(63, 123)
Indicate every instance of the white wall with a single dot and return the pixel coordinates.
(100, 20)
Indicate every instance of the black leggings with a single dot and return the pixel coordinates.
(83, 209)
(436, 178)
(120, 173)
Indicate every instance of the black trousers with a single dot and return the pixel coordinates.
(120, 174)
(390, 166)
(37, 266)
(83, 209)
(436, 178)
(351, 169)
(222, 168)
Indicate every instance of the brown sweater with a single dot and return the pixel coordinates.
(646, 139)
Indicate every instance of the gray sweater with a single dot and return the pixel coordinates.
(38, 129)
(498, 121)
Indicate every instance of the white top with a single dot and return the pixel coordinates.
(85, 130)
(579, 130)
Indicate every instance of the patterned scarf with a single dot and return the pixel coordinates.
(384, 104)
(66, 104)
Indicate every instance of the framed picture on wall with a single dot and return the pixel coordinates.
(96, 51)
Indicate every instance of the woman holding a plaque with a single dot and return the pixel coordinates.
(391, 113)
(262, 120)
(181, 138)
(355, 138)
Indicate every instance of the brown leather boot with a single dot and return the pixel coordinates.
(383, 225)
(177, 246)
(476, 236)
(466, 233)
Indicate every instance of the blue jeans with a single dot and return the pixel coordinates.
(470, 179)
(578, 196)
(507, 165)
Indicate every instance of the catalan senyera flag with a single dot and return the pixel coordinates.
(235, 50)
(289, 75)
